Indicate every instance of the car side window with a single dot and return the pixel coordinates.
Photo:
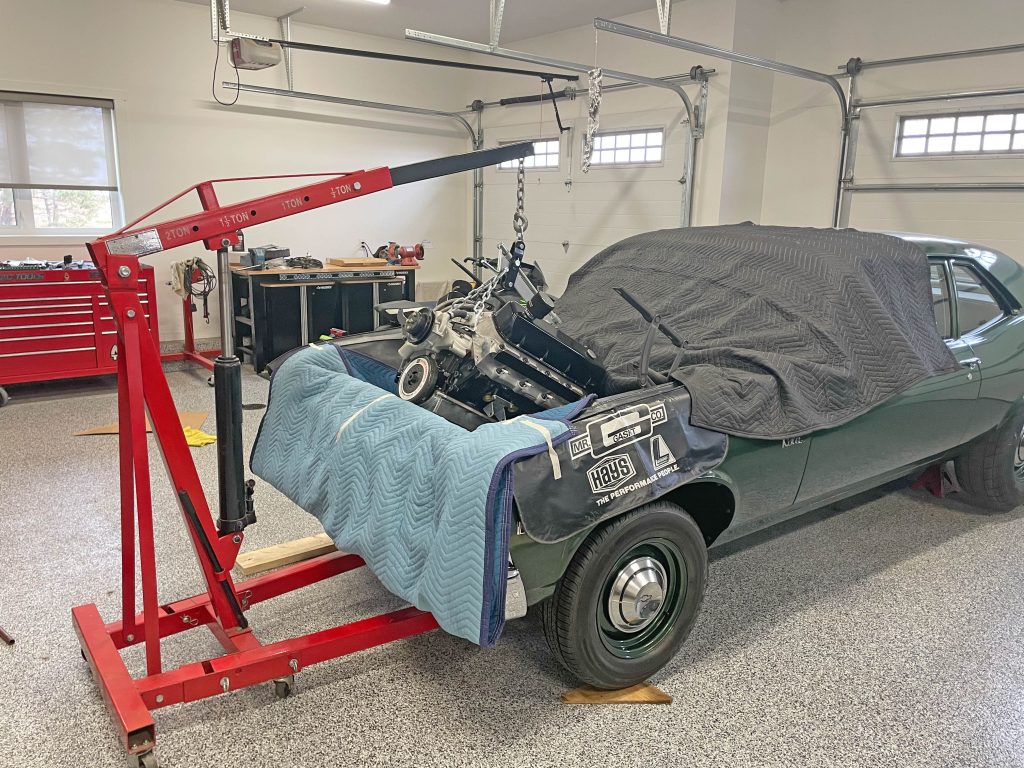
(975, 304)
(941, 305)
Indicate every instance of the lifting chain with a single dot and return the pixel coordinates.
(481, 301)
(519, 220)
(481, 295)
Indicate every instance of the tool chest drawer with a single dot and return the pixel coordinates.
(57, 323)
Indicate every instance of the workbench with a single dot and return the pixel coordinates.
(276, 310)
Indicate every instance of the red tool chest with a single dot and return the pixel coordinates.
(56, 324)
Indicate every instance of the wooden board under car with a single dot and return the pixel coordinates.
(641, 693)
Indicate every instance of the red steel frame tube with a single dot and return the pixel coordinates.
(189, 351)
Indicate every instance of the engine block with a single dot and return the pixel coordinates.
(496, 358)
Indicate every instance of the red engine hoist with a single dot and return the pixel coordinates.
(142, 387)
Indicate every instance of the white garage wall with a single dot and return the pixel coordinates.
(804, 136)
(772, 146)
(171, 134)
(609, 204)
(769, 153)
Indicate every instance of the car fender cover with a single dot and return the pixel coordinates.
(625, 451)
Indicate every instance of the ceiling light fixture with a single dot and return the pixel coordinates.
(379, 2)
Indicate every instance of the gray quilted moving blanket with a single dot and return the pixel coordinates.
(787, 330)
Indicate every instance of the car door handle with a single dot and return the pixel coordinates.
(971, 362)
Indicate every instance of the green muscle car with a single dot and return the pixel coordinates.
(620, 597)
(611, 528)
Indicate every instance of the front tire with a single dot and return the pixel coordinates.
(629, 597)
(991, 471)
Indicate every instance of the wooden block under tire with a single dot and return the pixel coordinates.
(641, 693)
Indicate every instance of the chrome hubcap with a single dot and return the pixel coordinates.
(1018, 460)
(637, 594)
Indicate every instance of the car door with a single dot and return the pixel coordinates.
(989, 321)
(929, 418)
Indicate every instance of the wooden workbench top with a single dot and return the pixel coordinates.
(239, 269)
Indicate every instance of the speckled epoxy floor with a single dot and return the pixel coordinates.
(889, 634)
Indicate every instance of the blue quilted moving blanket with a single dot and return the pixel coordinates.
(427, 504)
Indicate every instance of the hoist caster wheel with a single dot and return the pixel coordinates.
(282, 689)
(210, 380)
(4, 397)
(143, 760)
(82, 652)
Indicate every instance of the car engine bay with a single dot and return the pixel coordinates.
(496, 350)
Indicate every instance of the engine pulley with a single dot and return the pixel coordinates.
(417, 326)
(418, 380)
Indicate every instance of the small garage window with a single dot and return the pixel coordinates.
(545, 156)
(628, 148)
(950, 135)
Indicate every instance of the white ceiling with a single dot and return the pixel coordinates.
(467, 19)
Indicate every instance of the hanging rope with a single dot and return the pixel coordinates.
(593, 117)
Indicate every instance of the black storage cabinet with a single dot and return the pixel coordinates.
(278, 310)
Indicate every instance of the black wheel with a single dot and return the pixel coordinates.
(143, 760)
(418, 379)
(629, 597)
(991, 472)
(282, 689)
